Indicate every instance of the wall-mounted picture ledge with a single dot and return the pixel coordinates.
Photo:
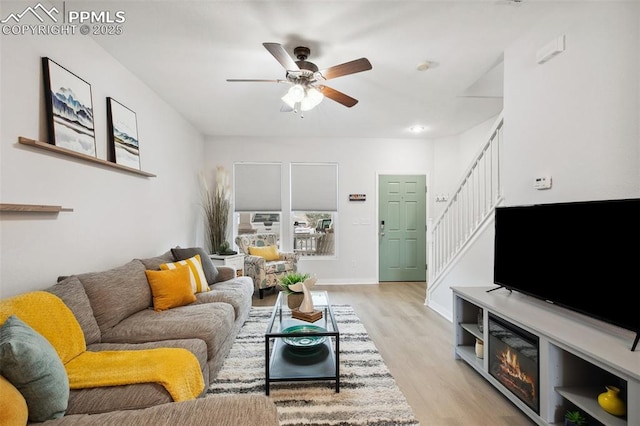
(32, 208)
(53, 148)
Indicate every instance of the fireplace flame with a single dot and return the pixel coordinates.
(510, 366)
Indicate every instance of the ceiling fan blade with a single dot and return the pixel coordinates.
(240, 80)
(281, 56)
(337, 96)
(347, 68)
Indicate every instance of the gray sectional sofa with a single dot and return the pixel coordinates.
(240, 410)
(115, 311)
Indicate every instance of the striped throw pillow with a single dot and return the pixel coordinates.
(198, 279)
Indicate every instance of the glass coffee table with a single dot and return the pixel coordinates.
(297, 350)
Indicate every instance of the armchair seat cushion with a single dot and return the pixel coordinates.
(279, 266)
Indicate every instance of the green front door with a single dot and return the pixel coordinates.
(401, 228)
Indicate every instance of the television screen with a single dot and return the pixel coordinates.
(584, 256)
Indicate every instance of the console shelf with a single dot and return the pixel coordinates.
(578, 356)
(53, 148)
(586, 399)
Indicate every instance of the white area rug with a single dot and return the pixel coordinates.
(368, 393)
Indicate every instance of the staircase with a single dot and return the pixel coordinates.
(472, 204)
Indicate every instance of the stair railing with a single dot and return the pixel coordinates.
(473, 202)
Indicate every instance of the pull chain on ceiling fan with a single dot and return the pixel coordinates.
(307, 90)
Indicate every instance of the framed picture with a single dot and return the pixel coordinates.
(69, 109)
(123, 135)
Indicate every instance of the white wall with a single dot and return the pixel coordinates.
(117, 216)
(574, 118)
(359, 161)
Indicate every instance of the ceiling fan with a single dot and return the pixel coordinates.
(307, 89)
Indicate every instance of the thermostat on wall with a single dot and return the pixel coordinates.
(543, 182)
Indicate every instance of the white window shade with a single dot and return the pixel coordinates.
(314, 187)
(257, 187)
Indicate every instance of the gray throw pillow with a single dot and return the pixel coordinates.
(33, 366)
(210, 270)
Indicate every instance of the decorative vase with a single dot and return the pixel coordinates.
(294, 300)
(480, 320)
(611, 402)
(306, 305)
(479, 348)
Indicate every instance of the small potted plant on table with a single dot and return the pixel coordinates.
(294, 298)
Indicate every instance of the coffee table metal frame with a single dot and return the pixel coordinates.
(282, 364)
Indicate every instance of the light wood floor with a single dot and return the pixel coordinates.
(416, 344)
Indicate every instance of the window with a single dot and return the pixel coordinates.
(257, 197)
(314, 205)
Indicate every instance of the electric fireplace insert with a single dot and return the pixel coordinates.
(514, 360)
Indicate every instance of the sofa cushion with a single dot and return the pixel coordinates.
(196, 346)
(33, 366)
(154, 263)
(210, 270)
(112, 398)
(13, 407)
(196, 273)
(72, 293)
(245, 410)
(170, 288)
(236, 292)
(210, 322)
(134, 396)
(117, 293)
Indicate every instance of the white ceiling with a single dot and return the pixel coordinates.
(185, 51)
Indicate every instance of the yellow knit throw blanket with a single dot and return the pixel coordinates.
(176, 369)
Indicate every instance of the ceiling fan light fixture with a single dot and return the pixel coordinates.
(294, 95)
(287, 100)
(312, 99)
(303, 75)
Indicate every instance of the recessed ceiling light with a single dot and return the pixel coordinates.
(423, 66)
(417, 129)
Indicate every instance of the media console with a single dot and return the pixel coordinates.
(576, 357)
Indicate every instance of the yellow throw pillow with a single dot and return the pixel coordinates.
(196, 272)
(13, 407)
(269, 252)
(170, 288)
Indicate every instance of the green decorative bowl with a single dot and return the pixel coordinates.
(304, 342)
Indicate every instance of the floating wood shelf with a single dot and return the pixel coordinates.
(33, 208)
(64, 151)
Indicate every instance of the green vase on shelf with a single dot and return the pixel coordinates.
(611, 402)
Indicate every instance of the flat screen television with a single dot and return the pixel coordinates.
(583, 256)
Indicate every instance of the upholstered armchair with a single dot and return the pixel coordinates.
(266, 268)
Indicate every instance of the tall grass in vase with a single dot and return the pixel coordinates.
(216, 205)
